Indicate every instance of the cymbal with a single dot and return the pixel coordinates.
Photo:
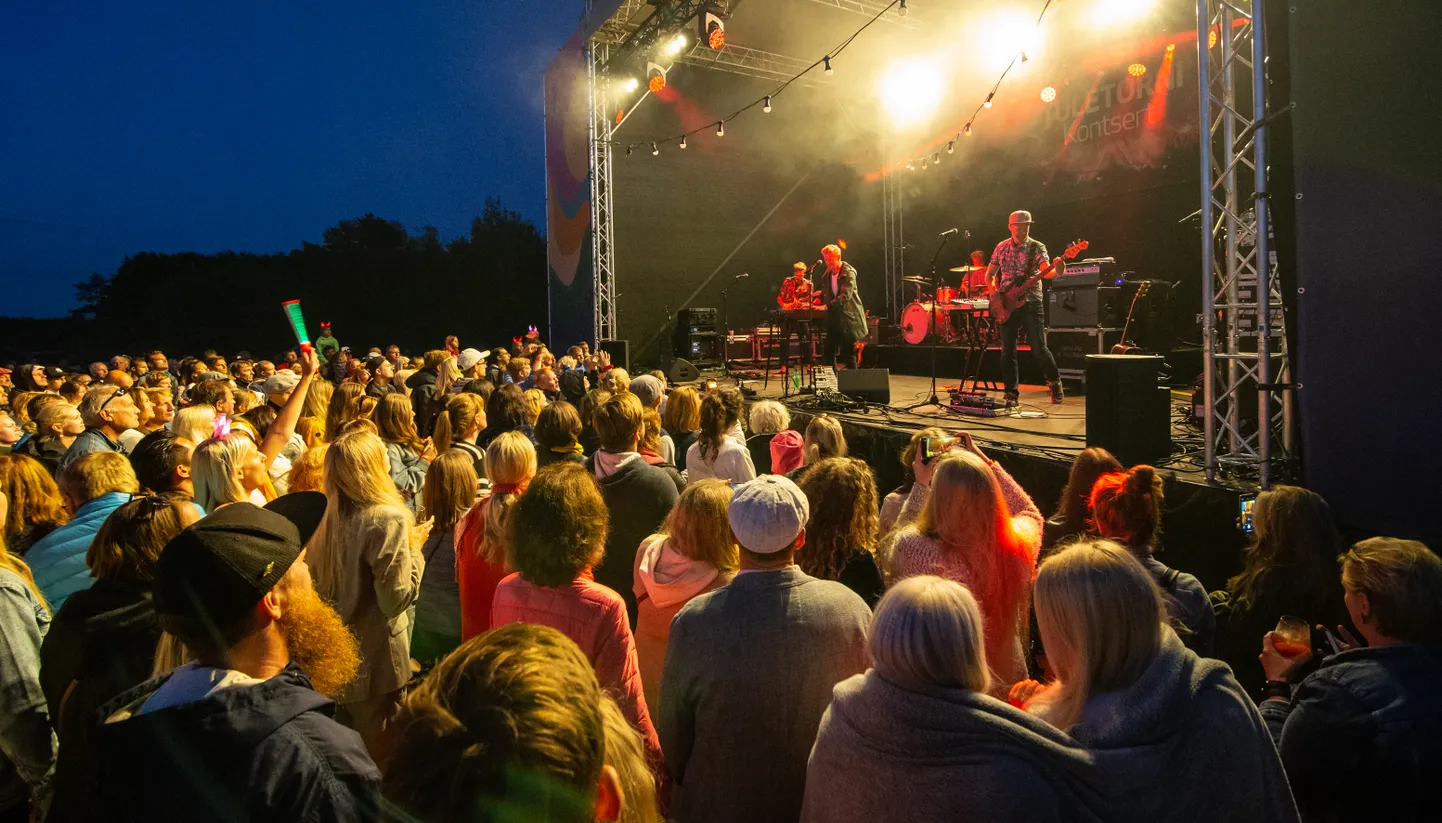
(921, 281)
(968, 268)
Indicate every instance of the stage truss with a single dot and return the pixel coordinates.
(1244, 344)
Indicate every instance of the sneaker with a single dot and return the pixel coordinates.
(1012, 397)
(1057, 395)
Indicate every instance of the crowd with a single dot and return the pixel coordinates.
(506, 585)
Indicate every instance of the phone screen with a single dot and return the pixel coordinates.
(1245, 504)
(933, 446)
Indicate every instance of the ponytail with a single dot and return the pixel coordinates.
(720, 410)
(1127, 506)
(459, 417)
(442, 435)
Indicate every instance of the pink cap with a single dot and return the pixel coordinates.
(786, 452)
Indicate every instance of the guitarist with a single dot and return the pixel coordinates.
(1015, 259)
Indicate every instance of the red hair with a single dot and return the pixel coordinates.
(1127, 505)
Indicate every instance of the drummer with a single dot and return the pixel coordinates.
(973, 283)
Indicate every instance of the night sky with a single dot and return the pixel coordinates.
(184, 126)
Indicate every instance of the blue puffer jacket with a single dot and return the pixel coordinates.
(58, 559)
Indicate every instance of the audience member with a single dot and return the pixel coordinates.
(98, 371)
(228, 469)
(102, 641)
(161, 462)
(72, 391)
(162, 410)
(408, 456)
(750, 668)
(367, 562)
(451, 486)
(535, 401)
(981, 529)
(891, 505)
(460, 427)
(1074, 510)
(36, 505)
(626, 751)
(506, 411)
(1290, 569)
(715, 454)
(1173, 734)
(558, 432)
(767, 419)
(589, 440)
(921, 719)
(824, 440)
(638, 495)
(841, 533)
(788, 451)
(1360, 736)
(344, 407)
(56, 428)
(243, 732)
(691, 555)
(216, 393)
(681, 420)
(10, 433)
(651, 391)
(483, 533)
(107, 412)
(27, 745)
(144, 411)
(1127, 508)
(615, 380)
(315, 413)
(307, 473)
(558, 534)
(651, 447)
(512, 721)
(422, 387)
(93, 487)
(195, 424)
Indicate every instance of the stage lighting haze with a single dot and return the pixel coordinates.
(1005, 35)
(1107, 13)
(910, 90)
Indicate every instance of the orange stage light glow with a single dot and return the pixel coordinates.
(1136, 70)
(1212, 39)
(716, 38)
(658, 82)
(842, 244)
(620, 115)
(1048, 94)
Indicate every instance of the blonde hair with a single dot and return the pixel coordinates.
(768, 417)
(51, 416)
(697, 526)
(510, 461)
(927, 631)
(451, 484)
(650, 431)
(616, 380)
(357, 478)
(824, 439)
(618, 421)
(535, 402)
(343, 408)
(396, 422)
(967, 513)
(463, 413)
(683, 411)
(97, 473)
(1403, 583)
(307, 471)
(194, 423)
(1101, 616)
(626, 754)
(317, 403)
(31, 493)
(215, 470)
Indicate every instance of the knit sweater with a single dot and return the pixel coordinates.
(638, 497)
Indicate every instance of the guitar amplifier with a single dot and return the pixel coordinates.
(1096, 271)
(1085, 307)
(697, 338)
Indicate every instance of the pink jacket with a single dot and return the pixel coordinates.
(595, 618)
(665, 580)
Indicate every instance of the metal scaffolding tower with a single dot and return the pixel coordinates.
(893, 240)
(1248, 423)
(603, 255)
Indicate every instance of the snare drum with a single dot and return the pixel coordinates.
(946, 294)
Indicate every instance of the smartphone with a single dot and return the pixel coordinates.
(933, 446)
(1244, 518)
(1332, 641)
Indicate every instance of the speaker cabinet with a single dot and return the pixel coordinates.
(620, 351)
(683, 372)
(868, 385)
(1128, 414)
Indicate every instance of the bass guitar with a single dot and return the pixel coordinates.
(1006, 301)
(1124, 347)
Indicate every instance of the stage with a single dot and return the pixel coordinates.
(1036, 444)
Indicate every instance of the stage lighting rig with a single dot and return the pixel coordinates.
(655, 77)
(712, 27)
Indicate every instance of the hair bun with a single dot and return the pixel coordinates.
(1141, 479)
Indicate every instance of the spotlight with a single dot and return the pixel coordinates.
(1171, 47)
(987, 104)
(1212, 39)
(655, 78)
(827, 61)
(951, 147)
(683, 141)
(910, 90)
(676, 45)
(1005, 35)
(720, 128)
(713, 30)
(1136, 70)
(902, 11)
(654, 150)
(1048, 94)
(766, 107)
(630, 84)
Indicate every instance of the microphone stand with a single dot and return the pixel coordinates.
(933, 400)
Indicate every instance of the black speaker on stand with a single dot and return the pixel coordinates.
(620, 351)
(1128, 413)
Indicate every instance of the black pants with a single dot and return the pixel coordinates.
(840, 344)
(802, 330)
(1028, 317)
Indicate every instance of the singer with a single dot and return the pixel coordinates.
(845, 316)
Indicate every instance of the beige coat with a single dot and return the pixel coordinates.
(380, 579)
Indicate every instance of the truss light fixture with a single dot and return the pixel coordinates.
(713, 30)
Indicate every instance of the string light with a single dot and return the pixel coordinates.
(630, 149)
(951, 147)
(987, 104)
(1024, 58)
(766, 107)
(936, 158)
(902, 10)
(720, 128)
(827, 61)
(683, 141)
(967, 131)
(654, 150)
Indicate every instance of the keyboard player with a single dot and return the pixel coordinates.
(797, 299)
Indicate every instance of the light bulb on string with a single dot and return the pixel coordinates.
(720, 128)
(827, 61)
(630, 149)
(654, 150)
(683, 141)
(967, 131)
(987, 104)
(936, 158)
(766, 106)
(951, 147)
(902, 11)
(1024, 58)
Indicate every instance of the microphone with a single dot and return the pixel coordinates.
(947, 233)
(742, 274)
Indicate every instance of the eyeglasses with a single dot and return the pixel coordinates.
(118, 393)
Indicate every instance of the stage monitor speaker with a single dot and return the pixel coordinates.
(683, 372)
(620, 351)
(1128, 414)
(869, 385)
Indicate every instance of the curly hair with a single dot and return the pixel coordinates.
(559, 526)
(842, 494)
(512, 719)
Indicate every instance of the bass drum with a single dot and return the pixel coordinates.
(916, 322)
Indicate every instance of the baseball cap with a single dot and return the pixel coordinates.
(767, 514)
(282, 381)
(212, 375)
(647, 389)
(212, 573)
(1018, 217)
(54, 372)
(787, 451)
(469, 358)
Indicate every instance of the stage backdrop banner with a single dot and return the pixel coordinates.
(570, 278)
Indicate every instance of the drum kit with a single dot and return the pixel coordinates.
(958, 314)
